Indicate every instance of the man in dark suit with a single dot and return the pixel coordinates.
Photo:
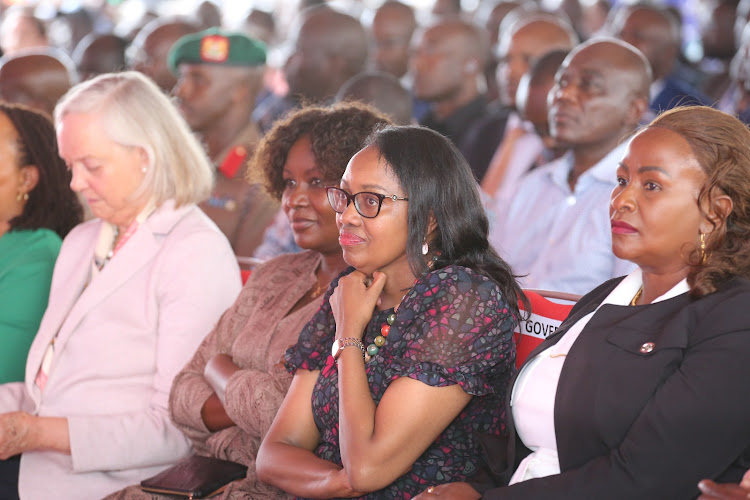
(329, 48)
(655, 31)
(447, 64)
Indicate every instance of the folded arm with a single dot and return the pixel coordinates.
(286, 457)
(373, 438)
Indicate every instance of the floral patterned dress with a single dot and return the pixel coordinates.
(452, 327)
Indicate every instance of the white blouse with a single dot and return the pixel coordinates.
(533, 396)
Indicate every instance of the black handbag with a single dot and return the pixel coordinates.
(195, 477)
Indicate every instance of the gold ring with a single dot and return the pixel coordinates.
(430, 489)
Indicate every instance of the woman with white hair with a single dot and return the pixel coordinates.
(133, 293)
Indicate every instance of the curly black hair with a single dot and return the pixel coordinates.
(51, 204)
(336, 133)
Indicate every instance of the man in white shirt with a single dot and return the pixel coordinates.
(556, 230)
(530, 37)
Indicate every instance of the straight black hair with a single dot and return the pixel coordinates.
(441, 188)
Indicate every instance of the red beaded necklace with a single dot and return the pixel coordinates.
(385, 329)
(379, 341)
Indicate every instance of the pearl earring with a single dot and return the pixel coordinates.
(425, 248)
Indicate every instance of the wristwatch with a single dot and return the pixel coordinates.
(340, 344)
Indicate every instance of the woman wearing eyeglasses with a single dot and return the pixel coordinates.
(407, 360)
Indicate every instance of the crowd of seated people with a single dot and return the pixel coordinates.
(610, 405)
(397, 175)
(527, 37)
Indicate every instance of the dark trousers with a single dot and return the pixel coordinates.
(9, 478)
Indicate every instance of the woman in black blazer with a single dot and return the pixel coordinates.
(642, 391)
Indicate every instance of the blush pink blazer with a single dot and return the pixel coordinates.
(121, 341)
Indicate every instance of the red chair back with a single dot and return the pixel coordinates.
(246, 266)
(245, 274)
(544, 319)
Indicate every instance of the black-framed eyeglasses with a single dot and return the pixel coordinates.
(367, 204)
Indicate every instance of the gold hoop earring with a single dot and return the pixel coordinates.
(22, 197)
(704, 257)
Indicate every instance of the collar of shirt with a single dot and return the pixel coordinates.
(515, 121)
(603, 171)
(655, 89)
(249, 136)
(629, 286)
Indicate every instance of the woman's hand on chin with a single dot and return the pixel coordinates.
(452, 491)
(354, 301)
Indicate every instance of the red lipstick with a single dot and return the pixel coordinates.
(620, 227)
(349, 239)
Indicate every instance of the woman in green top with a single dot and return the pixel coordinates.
(37, 209)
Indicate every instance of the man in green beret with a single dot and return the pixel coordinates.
(219, 75)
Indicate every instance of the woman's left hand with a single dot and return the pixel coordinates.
(726, 491)
(454, 491)
(353, 302)
(15, 433)
(719, 491)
